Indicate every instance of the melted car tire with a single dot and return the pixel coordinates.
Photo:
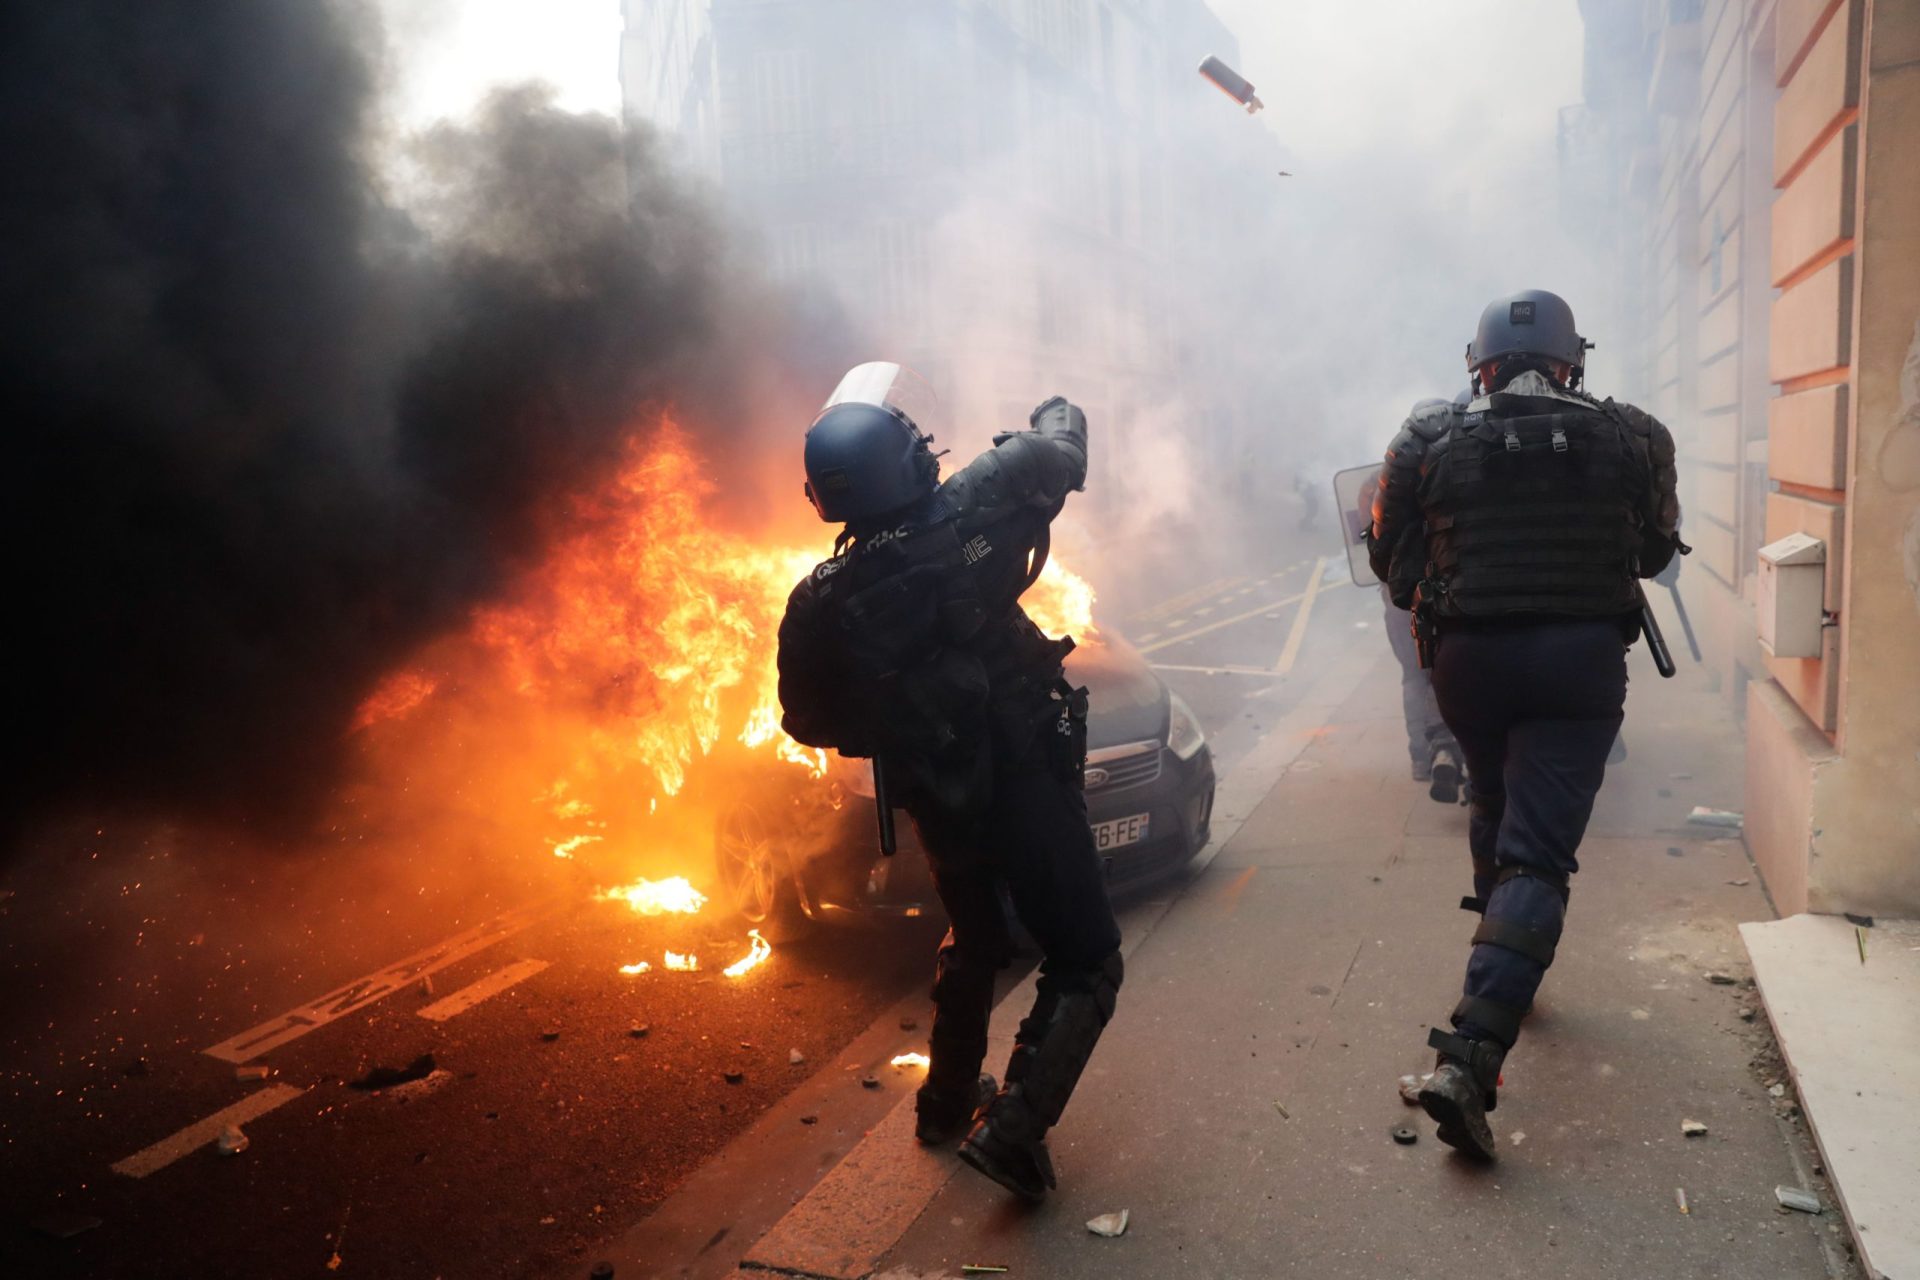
(755, 873)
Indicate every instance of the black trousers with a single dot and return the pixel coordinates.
(1032, 838)
(1535, 709)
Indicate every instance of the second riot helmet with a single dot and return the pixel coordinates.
(1532, 322)
(868, 452)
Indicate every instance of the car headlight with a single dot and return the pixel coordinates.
(1184, 736)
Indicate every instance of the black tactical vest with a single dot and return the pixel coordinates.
(1532, 508)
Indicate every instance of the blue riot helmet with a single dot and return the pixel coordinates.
(869, 451)
(1532, 322)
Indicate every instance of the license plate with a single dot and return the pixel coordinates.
(1120, 832)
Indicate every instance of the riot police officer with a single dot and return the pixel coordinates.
(1516, 528)
(909, 646)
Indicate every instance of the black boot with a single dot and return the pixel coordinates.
(1463, 1088)
(941, 1115)
(1009, 1145)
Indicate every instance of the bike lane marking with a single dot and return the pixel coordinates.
(357, 995)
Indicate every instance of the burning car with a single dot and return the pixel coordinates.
(791, 853)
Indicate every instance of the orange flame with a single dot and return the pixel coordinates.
(754, 958)
(678, 963)
(1061, 603)
(912, 1060)
(640, 967)
(675, 896)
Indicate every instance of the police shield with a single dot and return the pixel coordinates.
(1353, 500)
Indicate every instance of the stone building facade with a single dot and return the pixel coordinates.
(1759, 166)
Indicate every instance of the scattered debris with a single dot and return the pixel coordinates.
(1693, 1128)
(386, 1077)
(1680, 777)
(1405, 1136)
(1517, 1137)
(639, 1030)
(1747, 1012)
(1722, 979)
(62, 1225)
(1675, 851)
(1776, 1090)
(1410, 1087)
(1797, 1200)
(1109, 1225)
(809, 1119)
(1282, 1110)
(548, 1221)
(1702, 816)
(795, 1057)
(1863, 922)
(1680, 1198)
(232, 1142)
(432, 1082)
(981, 1269)
(1741, 883)
(869, 1082)
(550, 1034)
(733, 1077)
(426, 986)
(601, 1271)
(1665, 794)
(909, 1024)
(252, 1071)
(1860, 940)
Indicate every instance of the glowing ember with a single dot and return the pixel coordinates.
(912, 1060)
(565, 848)
(656, 897)
(754, 958)
(678, 963)
(642, 967)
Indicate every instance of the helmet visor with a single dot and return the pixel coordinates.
(892, 387)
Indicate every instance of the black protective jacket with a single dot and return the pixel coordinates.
(909, 643)
(1534, 500)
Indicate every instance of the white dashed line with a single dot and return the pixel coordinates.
(201, 1132)
(472, 994)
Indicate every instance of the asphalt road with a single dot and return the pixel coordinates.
(148, 965)
(548, 1117)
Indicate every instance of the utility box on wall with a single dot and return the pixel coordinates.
(1792, 596)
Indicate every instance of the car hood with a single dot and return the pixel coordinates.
(1126, 700)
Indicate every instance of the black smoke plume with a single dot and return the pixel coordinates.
(266, 430)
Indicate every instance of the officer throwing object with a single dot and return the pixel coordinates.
(1516, 529)
(909, 646)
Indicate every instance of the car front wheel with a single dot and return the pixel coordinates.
(755, 871)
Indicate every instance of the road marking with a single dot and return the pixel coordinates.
(201, 1132)
(1218, 623)
(1299, 631)
(270, 1035)
(1263, 672)
(1174, 604)
(472, 994)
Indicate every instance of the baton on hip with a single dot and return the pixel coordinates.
(1656, 643)
(883, 808)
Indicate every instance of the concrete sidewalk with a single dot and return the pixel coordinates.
(1242, 1104)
